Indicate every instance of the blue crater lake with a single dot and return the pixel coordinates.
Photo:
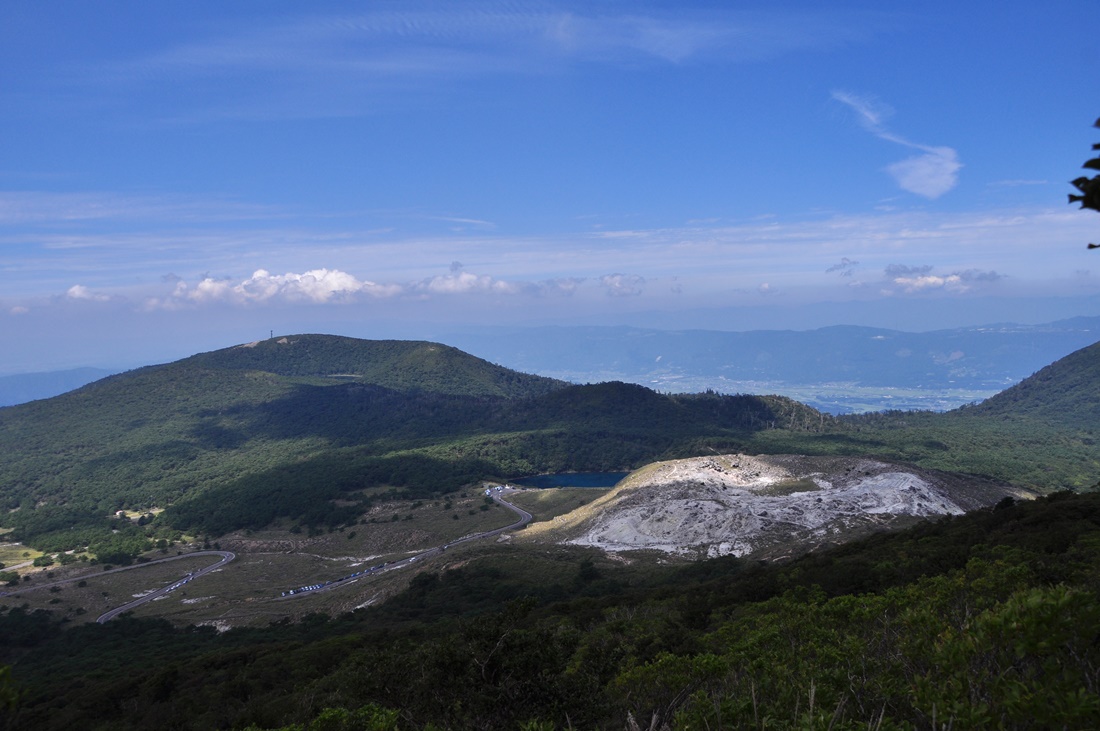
(573, 479)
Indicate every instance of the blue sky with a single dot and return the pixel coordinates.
(183, 176)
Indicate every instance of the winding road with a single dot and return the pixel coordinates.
(226, 557)
(498, 497)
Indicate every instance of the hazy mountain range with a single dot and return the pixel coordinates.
(24, 387)
(838, 369)
(841, 369)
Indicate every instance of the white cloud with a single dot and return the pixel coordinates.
(332, 286)
(920, 279)
(930, 174)
(460, 282)
(80, 292)
(565, 286)
(623, 285)
(1026, 245)
(315, 286)
(916, 284)
(19, 310)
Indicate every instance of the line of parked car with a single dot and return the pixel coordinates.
(315, 587)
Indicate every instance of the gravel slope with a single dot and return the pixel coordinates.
(765, 506)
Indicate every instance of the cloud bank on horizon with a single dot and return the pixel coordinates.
(534, 162)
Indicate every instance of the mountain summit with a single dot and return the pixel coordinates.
(401, 365)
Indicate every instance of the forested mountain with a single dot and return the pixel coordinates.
(395, 364)
(240, 436)
(296, 428)
(1066, 393)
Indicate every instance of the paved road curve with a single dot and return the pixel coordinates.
(226, 557)
(498, 497)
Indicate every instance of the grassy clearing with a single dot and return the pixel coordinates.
(789, 487)
(93, 592)
(548, 503)
(135, 514)
(15, 553)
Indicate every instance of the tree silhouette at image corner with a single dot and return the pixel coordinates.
(1089, 187)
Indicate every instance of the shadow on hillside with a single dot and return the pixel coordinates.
(358, 414)
(348, 415)
(320, 491)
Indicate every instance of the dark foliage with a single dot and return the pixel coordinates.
(1089, 188)
(988, 619)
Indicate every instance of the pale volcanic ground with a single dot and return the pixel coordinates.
(765, 506)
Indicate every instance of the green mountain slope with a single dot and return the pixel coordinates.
(1066, 392)
(298, 428)
(1040, 434)
(397, 364)
(242, 436)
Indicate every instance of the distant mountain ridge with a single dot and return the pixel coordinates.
(24, 387)
(839, 369)
(836, 369)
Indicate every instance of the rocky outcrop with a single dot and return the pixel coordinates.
(765, 506)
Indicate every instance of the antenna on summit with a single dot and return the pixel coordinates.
(272, 334)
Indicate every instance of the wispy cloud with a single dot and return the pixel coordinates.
(894, 271)
(1017, 183)
(930, 174)
(318, 65)
(36, 207)
(846, 267)
(414, 38)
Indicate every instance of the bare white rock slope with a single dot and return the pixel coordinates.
(767, 506)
